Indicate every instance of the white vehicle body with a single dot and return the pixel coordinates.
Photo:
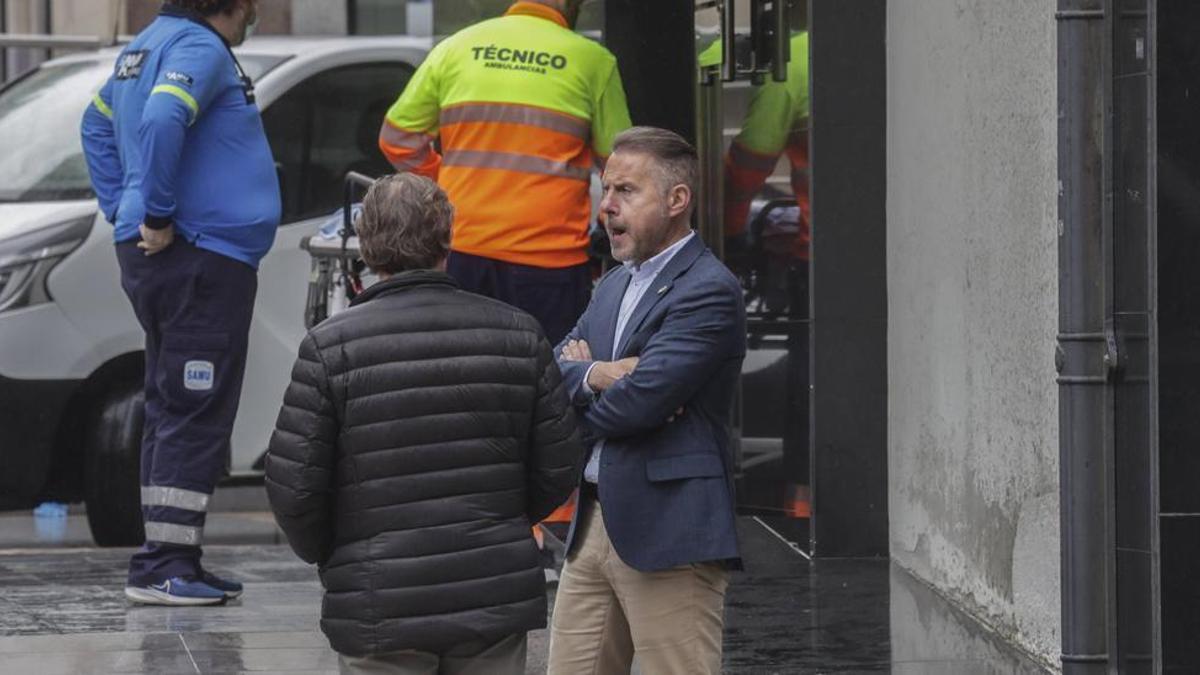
(83, 322)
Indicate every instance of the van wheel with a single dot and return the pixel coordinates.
(112, 473)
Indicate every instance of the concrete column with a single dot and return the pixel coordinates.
(972, 272)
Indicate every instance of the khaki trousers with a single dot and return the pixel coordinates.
(606, 611)
(506, 657)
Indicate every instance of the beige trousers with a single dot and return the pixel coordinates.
(506, 657)
(606, 611)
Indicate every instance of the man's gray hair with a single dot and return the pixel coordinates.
(676, 159)
(405, 224)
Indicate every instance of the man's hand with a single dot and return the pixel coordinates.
(606, 373)
(154, 241)
(577, 350)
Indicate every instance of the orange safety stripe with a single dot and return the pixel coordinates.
(399, 138)
(511, 161)
(518, 139)
(412, 160)
(508, 113)
(409, 151)
(543, 218)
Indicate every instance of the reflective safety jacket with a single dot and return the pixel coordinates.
(776, 123)
(522, 106)
(175, 136)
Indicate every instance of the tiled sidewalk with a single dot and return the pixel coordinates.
(62, 611)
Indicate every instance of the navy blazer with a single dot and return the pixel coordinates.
(666, 488)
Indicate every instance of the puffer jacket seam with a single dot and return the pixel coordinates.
(350, 341)
(473, 608)
(430, 499)
(377, 624)
(453, 469)
(425, 418)
(456, 552)
(448, 357)
(438, 387)
(421, 527)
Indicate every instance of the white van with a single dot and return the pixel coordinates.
(70, 347)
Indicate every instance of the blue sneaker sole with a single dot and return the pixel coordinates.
(149, 596)
(230, 593)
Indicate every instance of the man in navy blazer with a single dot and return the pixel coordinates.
(652, 365)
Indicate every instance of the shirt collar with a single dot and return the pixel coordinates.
(654, 265)
(538, 10)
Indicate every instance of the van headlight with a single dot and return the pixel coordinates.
(26, 261)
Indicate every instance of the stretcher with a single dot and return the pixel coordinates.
(337, 270)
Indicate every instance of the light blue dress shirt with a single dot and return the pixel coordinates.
(641, 279)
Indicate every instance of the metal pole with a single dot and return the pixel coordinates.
(729, 40)
(3, 51)
(48, 24)
(1086, 357)
(1152, 265)
(782, 46)
(710, 147)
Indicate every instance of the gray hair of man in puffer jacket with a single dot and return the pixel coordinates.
(405, 225)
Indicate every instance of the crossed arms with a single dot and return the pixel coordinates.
(702, 330)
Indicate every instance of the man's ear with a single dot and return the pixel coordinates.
(679, 199)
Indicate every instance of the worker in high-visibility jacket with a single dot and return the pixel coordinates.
(524, 108)
(775, 125)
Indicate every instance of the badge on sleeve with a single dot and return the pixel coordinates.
(129, 66)
(198, 375)
(179, 78)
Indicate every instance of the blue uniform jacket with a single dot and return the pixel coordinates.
(175, 136)
(666, 488)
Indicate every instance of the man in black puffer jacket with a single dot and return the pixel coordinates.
(424, 430)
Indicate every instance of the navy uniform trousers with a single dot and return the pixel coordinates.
(195, 307)
(555, 297)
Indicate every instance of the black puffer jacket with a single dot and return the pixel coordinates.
(425, 428)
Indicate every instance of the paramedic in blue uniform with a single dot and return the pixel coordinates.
(181, 166)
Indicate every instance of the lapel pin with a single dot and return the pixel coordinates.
(663, 289)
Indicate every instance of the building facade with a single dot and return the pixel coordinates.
(973, 489)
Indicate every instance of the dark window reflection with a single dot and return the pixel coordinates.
(767, 224)
(1178, 194)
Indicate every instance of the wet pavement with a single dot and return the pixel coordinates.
(62, 611)
(239, 515)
